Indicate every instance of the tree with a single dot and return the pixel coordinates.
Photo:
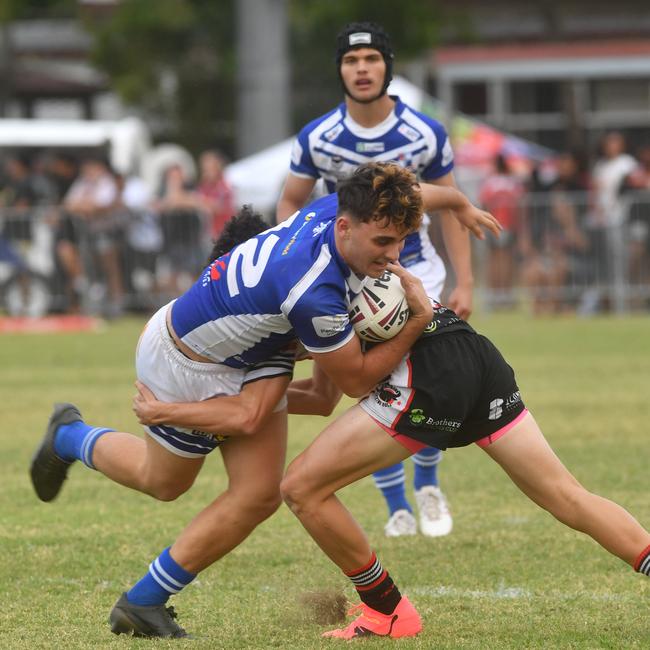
(175, 59)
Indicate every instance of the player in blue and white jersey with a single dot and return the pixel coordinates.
(370, 125)
(291, 281)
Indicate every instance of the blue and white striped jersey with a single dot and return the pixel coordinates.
(332, 146)
(286, 282)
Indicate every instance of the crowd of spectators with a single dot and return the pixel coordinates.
(110, 237)
(576, 232)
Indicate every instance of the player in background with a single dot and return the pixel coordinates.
(371, 125)
(291, 281)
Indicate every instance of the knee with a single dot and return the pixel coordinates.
(167, 490)
(294, 489)
(260, 505)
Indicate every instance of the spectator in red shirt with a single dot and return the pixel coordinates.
(502, 194)
(215, 193)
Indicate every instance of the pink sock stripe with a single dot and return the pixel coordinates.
(493, 437)
(642, 564)
(365, 567)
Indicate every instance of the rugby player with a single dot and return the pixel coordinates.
(370, 125)
(292, 281)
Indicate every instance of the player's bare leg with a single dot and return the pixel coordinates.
(145, 465)
(214, 532)
(228, 520)
(350, 448)
(533, 466)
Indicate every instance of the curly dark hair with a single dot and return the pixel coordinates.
(382, 192)
(245, 224)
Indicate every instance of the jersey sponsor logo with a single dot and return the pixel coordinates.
(307, 218)
(330, 325)
(370, 147)
(320, 227)
(418, 418)
(210, 436)
(498, 406)
(409, 132)
(333, 133)
(213, 272)
(495, 409)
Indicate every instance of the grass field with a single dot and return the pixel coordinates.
(508, 576)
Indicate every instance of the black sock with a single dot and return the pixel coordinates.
(375, 586)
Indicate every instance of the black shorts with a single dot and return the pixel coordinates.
(453, 389)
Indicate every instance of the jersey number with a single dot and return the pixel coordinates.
(252, 270)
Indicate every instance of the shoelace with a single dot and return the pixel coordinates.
(434, 506)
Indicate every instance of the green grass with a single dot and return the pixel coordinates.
(508, 576)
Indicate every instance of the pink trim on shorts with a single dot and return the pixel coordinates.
(410, 443)
(415, 445)
(493, 437)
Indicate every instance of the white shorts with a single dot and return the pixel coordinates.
(432, 273)
(172, 377)
(430, 268)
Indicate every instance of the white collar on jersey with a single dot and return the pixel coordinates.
(375, 131)
(356, 283)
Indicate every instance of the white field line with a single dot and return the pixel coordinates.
(503, 592)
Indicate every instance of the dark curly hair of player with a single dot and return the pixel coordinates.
(245, 224)
(383, 192)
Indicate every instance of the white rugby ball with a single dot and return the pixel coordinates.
(380, 311)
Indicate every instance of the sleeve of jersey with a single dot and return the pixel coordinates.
(443, 160)
(279, 364)
(321, 321)
(301, 161)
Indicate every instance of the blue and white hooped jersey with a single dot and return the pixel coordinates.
(286, 282)
(332, 146)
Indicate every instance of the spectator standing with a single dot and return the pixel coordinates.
(502, 194)
(214, 191)
(606, 225)
(636, 189)
(92, 200)
(552, 240)
(179, 207)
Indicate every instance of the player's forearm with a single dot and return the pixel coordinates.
(228, 416)
(457, 244)
(312, 397)
(285, 208)
(303, 400)
(439, 197)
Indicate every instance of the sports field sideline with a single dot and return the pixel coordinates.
(508, 576)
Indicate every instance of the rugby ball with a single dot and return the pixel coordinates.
(380, 311)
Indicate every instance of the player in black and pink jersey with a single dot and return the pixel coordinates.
(453, 389)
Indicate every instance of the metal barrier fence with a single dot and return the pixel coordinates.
(53, 261)
(560, 256)
(568, 253)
